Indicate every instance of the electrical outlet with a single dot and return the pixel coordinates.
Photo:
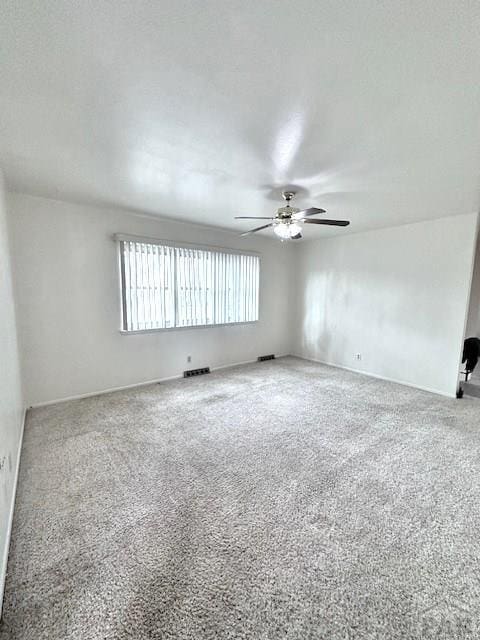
(189, 358)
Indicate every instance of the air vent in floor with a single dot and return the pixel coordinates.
(269, 357)
(196, 372)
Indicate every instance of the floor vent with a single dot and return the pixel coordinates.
(269, 357)
(196, 372)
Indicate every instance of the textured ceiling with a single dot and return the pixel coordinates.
(203, 110)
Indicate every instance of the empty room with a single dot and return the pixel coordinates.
(239, 320)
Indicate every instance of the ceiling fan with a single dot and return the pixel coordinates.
(287, 223)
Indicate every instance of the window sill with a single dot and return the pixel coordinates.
(124, 332)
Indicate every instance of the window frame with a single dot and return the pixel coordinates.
(120, 237)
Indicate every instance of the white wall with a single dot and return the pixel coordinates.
(11, 405)
(66, 275)
(397, 296)
(473, 319)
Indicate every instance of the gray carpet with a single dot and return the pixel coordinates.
(279, 500)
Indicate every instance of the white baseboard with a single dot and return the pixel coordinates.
(238, 364)
(3, 566)
(101, 392)
(138, 384)
(374, 375)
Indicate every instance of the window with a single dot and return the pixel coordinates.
(166, 286)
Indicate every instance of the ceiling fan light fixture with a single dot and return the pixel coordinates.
(295, 229)
(282, 231)
(287, 230)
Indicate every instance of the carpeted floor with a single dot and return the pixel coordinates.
(278, 500)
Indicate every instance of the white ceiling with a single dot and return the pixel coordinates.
(203, 110)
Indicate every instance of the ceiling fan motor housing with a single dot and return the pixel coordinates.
(287, 211)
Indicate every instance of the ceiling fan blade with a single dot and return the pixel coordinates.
(308, 212)
(253, 218)
(257, 229)
(335, 223)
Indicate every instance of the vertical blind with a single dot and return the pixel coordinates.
(167, 286)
